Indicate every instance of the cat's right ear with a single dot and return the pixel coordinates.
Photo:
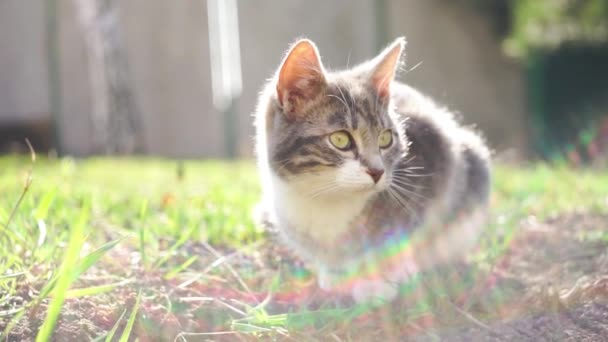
(301, 77)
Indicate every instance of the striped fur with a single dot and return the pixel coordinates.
(322, 200)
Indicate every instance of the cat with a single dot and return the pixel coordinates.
(351, 161)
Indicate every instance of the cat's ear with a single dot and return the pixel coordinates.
(384, 67)
(301, 77)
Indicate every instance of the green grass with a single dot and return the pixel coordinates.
(57, 232)
(540, 192)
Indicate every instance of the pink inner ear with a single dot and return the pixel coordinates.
(386, 67)
(300, 77)
(382, 86)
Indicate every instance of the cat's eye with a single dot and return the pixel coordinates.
(341, 140)
(386, 139)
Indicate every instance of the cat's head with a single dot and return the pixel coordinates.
(332, 133)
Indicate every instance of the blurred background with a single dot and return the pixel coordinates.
(180, 78)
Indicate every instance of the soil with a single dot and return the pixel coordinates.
(561, 266)
(550, 284)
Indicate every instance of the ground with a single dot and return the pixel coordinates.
(126, 249)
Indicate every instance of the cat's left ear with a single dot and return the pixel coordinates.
(384, 67)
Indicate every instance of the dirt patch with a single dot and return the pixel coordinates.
(555, 275)
(551, 284)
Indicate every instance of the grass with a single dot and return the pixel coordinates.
(157, 241)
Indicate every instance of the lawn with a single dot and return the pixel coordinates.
(124, 249)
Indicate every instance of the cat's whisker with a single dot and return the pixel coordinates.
(409, 160)
(411, 170)
(407, 191)
(322, 190)
(406, 182)
(317, 189)
(398, 200)
(339, 99)
(402, 202)
(417, 175)
(320, 187)
(408, 194)
(409, 202)
(415, 188)
(404, 175)
(412, 174)
(314, 183)
(350, 95)
(343, 98)
(409, 174)
(280, 165)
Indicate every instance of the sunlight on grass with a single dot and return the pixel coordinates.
(67, 274)
(127, 332)
(89, 228)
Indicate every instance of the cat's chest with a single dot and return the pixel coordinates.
(323, 221)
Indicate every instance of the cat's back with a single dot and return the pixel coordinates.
(411, 103)
(454, 157)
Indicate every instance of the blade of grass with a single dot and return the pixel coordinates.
(95, 290)
(109, 335)
(26, 187)
(174, 272)
(31, 149)
(11, 324)
(142, 237)
(184, 238)
(248, 328)
(67, 275)
(127, 332)
(10, 312)
(82, 266)
(10, 276)
(232, 271)
(42, 210)
(115, 327)
(41, 214)
(3, 214)
(93, 257)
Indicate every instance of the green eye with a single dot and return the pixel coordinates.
(386, 138)
(341, 140)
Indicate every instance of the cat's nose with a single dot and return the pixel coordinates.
(376, 174)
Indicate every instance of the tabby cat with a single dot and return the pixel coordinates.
(353, 162)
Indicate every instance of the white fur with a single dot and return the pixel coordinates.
(303, 205)
(323, 218)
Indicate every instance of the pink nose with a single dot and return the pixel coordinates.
(376, 174)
